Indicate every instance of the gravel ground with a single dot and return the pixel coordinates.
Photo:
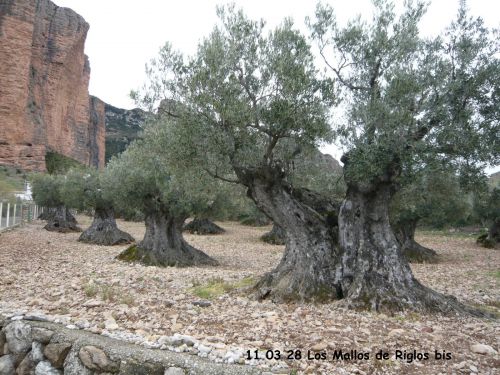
(84, 285)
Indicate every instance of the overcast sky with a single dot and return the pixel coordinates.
(124, 34)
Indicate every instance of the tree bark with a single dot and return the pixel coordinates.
(412, 250)
(203, 226)
(276, 236)
(492, 238)
(375, 274)
(163, 244)
(103, 230)
(306, 271)
(61, 220)
(47, 213)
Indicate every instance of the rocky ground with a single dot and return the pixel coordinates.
(207, 311)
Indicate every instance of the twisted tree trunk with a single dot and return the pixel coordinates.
(47, 213)
(163, 244)
(307, 268)
(492, 238)
(375, 273)
(203, 226)
(61, 220)
(276, 236)
(103, 230)
(412, 250)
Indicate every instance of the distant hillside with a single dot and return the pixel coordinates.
(122, 127)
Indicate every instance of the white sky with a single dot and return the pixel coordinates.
(125, 34)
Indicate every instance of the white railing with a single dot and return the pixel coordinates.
(15, 214)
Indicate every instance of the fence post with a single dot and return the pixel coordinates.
(14, 215)
(8, 214)
(1, 214)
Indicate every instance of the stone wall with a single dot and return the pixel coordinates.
(44, 77)
(45, 348)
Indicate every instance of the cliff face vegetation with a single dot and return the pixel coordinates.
(44, 76)
(122, 127)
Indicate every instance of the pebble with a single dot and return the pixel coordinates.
(202, 303)
(482, 349)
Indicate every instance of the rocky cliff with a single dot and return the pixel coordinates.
(122, 127)
(44, 76)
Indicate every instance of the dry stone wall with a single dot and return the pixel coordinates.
(46, 348)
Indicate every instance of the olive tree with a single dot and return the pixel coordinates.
(140, 178)
(407, 100)
(487, 208)
(315, 171)
(47, 191)
(433, 195)
(83, 190)
(251, 104)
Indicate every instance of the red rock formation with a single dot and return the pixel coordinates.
(44, 76)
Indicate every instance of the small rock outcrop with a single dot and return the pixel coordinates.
(44, 78)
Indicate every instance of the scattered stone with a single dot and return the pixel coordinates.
(96, 359)
(73, 365)
(204, 349)
(27, 366)
(41, 335)
(232, 356)
(92, 303)
(202, 303)
(37, 317)
(56, 353)
(111, 325)
(482, 349)
(319, 347)
(18, 336)
(6, 365)
(82, 324)
(45, 368)
(188, 340)
(396, 332)
(168, 303)
(37, 352)
(174, 371)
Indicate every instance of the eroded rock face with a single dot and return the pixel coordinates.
(44, 76)
(122, 127)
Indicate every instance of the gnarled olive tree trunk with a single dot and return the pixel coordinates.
(492, 238)
(103, 230)
(412, 250)
(47, 213)
(276, 236)
(203, 226)
(163, 244)
(61, 220)
(307, 268)
(375, 273)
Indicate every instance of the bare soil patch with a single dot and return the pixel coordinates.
(84, 285)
